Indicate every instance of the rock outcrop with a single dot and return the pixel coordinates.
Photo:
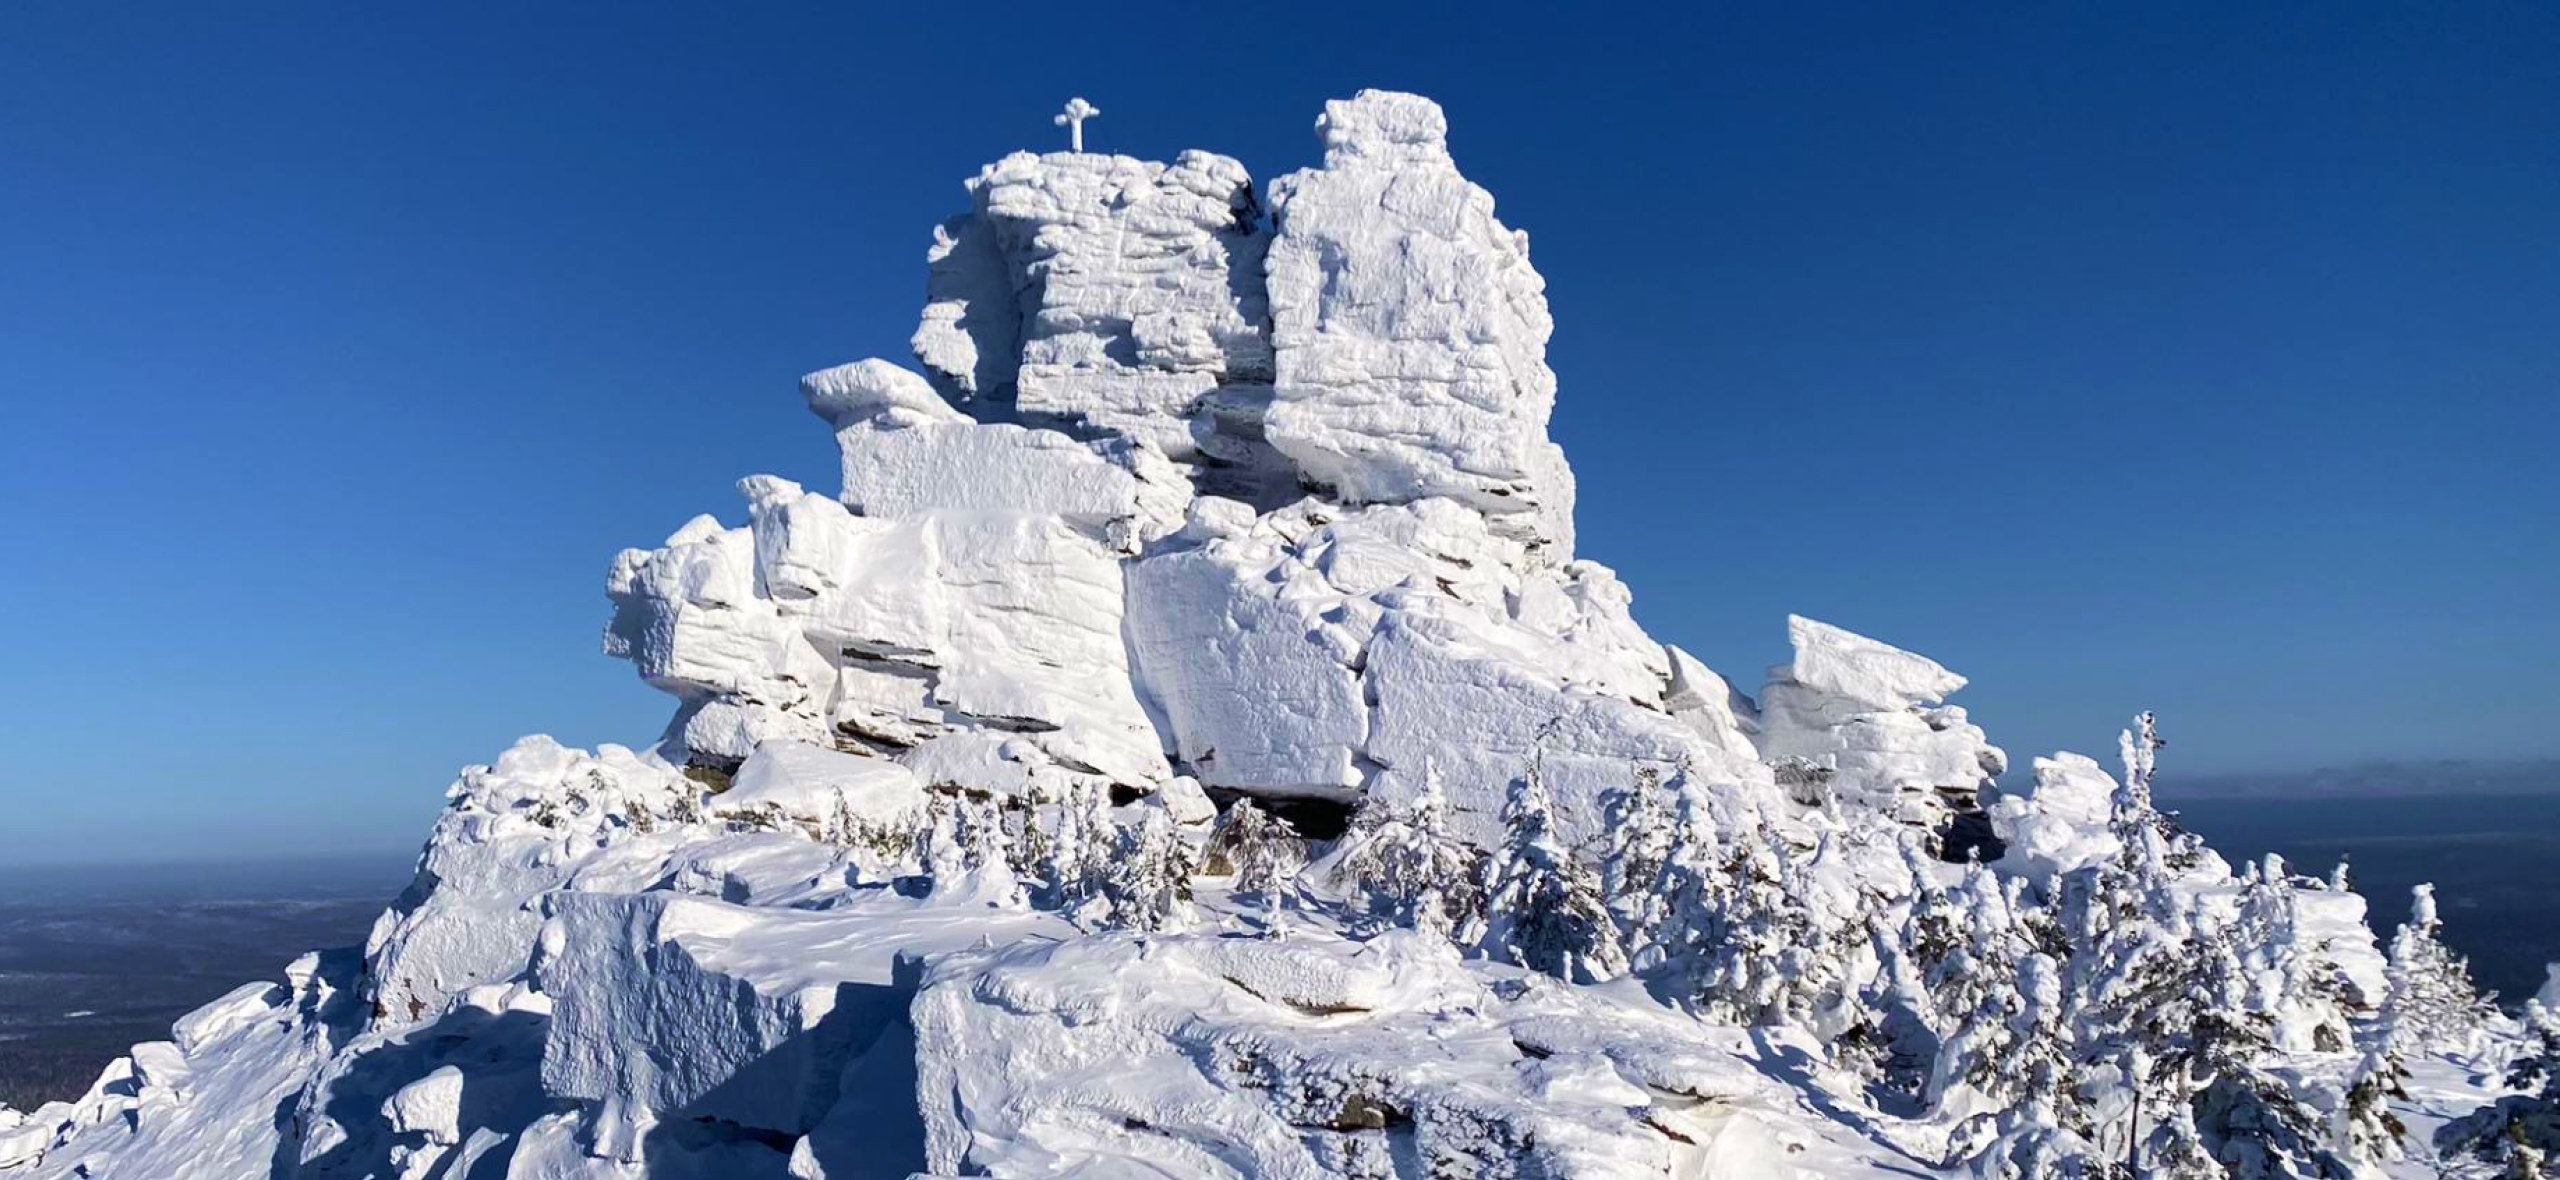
(1191, 510)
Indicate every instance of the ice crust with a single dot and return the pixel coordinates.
(1188, 501)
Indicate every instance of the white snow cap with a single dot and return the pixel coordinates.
(1383, 128)
(1846, 664)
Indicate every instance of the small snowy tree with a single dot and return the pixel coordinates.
(1969, 947)
(1074, 853)
(2369, 1133)
(2254, 1120)
(966, 851)
(2431, 1002)
(1149, 884)
(1261, 852)
(1543, 910)
(1407, 868)
(2031, 1075)
(1640, 839)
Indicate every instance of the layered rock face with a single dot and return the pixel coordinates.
(1859, 723)
(1102, 295)
(1410, 330)
(1183, 493)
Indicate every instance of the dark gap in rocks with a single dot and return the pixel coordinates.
(1311, 818)
(712, 771)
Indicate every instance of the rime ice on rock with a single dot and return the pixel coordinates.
(1331, 652)
(972, 641)
(1410, 330)
(1104, 295)
(1858, 721)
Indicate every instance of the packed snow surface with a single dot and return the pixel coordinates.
(1187, 744)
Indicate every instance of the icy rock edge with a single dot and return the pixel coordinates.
(1186, 744)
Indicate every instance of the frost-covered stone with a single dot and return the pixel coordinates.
(1107, 295)
(1409, 331)
(1849, 720)
(1204, 1056)
(652, 966)
(429, 1107)
(1329, 652)
(888, 635)
(899, 461)
(237, 1007)
(832, 795)
(1854, 668)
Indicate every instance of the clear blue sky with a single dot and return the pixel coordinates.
(2201, 357)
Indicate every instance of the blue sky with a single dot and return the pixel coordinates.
(2198, 357)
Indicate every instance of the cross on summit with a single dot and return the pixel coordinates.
(1072, 118)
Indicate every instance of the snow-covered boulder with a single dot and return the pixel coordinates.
(1853, 668)
(469, 918)
(1327, 652)
(833, 796)
(901, 458)
(1205, 1056)
(1409, 331)
(1854, 722)
(733, 1045)
(998, 629)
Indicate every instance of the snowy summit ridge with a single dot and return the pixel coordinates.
(1186, 744)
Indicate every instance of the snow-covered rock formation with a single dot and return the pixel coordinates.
(1187, 745)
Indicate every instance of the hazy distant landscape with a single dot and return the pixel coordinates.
(93, 959)
(96, 958)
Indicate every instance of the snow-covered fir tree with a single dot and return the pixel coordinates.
(2432, 1002)
(1543, 909)
(1640, 839)
(2253, 1116)
(966, 851)
(1261, 853)
(1404, 866)
(2370, 1133)
(1073, 853)
(2024, 1065)
(1968, 943)
(1149, 881)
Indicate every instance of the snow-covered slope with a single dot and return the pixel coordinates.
(1187, 745)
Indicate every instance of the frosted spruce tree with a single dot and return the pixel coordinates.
(966, 850)
(1073, 855)
(1640, 839)
(1260, 852)
(2029, 1072)
(2369, 1132)
(1924, 979)
(1405, 867)
(1972, 971)
(2432, 1001)
(1149, 883)
(2253, 1118)
(1681, 916)
(1543, 910)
